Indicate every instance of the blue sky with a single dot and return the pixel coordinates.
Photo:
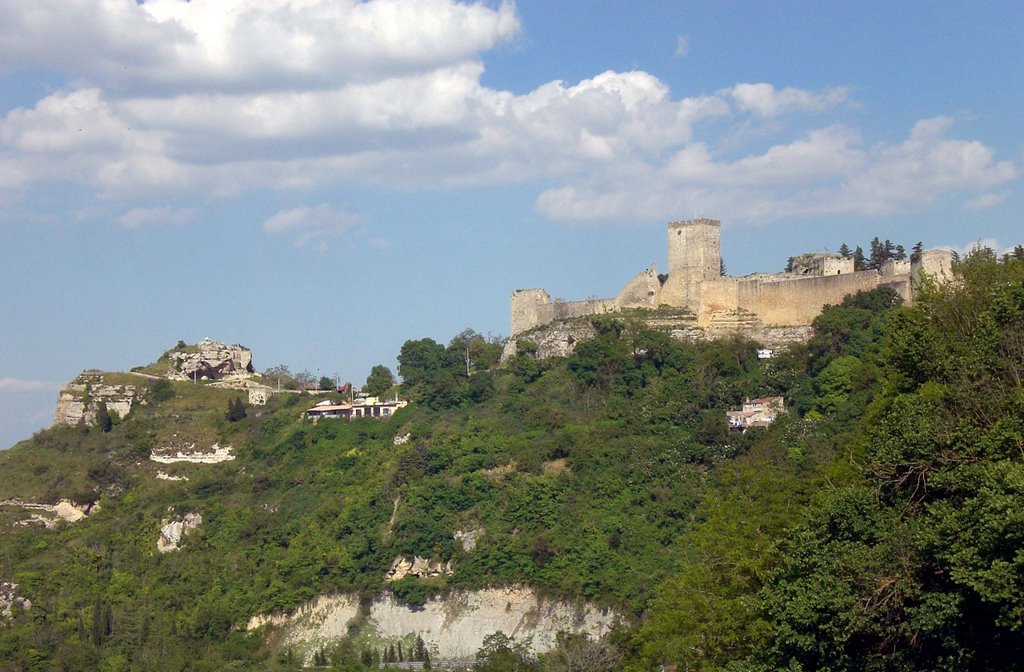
(322, 180)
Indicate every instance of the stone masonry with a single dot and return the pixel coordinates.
(722, 305)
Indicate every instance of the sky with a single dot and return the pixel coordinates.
(322, 180)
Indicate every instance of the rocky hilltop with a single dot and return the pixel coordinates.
(208, 360)
(80, 399)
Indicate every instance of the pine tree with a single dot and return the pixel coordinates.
(844, 251)
(236, 410)
(901, 253)
(859, 262)
(915, 254)
(419, 649)
(877, 255)
(426, 660)
(401, 658)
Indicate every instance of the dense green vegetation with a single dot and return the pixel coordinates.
(875, 526)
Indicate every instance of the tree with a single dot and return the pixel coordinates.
(306, 380)
(379, 381)
(419, 360)
(844, 251)
(576, 652)
(915, 254)
(501, 653)
(859, 262)
(161, 390)
(326, 383)
(236, 410)
(104, 422)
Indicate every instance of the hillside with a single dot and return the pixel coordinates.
(873, 526)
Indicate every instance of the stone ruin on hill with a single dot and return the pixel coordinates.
(695, 300)
(209, 360)
(229, 366)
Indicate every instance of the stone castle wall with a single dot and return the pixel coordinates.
(722, 303)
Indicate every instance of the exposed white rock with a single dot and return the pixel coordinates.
(49, 515)
(468, 538)
(172, 532)
(210, 360)
(167, 477)
(80, 399)
(189, 453)
(453, 626)
(419, 567)
(10, 600)
(401, 438)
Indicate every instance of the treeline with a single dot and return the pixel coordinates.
(904, 553)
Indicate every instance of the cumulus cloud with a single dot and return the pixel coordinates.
(246, 45)
(217, 98)
(828, 171)
(8, 384)
(764, 100)
(311, 225)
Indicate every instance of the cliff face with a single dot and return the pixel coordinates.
(80, 398)
(453, 627)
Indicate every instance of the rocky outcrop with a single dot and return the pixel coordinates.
(468, 538)
(209, 360)
(174, 531)
(50, 515)
(10, 601)
(560, 338)
(189, 452)
(418, 567)
(80, 399)
(453, 627)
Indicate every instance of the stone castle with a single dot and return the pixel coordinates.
(717, 304)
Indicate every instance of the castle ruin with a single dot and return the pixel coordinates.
(721, 304)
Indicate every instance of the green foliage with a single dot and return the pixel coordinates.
(379, 381)
(875, 526)
(161, 390)
(501, 653)
(104, 421)
(236, 410)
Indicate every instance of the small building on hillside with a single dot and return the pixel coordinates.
(759, 412)
(364, 407)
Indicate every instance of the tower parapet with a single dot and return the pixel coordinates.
(695, 248)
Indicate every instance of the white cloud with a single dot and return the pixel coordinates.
(247, 45)
(682, 45)
(826, 172)
(985, 201)
(141, 217)
(311, 225)
(8, 384)
(217, 98)
(764, 100)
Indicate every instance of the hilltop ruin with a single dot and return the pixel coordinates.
(774, 308)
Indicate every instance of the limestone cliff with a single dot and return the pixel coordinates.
(453, 627)
(80, 399)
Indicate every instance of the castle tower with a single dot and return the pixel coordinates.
(695, 249)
